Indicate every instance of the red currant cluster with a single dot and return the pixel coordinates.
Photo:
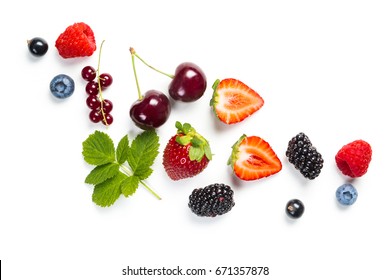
(100, 107)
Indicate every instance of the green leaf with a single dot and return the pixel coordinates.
(207, 152)
(106, 193)
(122, 150)
(179, 126)
(101, 173)
(98, 149)
(196, 153)
(142, 153)
(197, 142)
(183, 140)
(186, 128)
(129, 185)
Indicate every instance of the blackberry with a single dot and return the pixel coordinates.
(304, 156)
(212, 200)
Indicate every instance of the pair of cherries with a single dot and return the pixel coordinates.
(152, 109)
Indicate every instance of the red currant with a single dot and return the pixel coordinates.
(92, 88)
(108, 119)
(107, 106)
(105, 80)
(93, 102)
(95, 116)
(88, 73)
(100, 107)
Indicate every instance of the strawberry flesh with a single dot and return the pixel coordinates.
(233, 101)
(253, 158)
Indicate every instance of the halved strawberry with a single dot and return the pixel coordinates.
(233, 101)
(253, 158)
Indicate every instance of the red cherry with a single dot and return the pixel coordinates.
(151, 111)
(188, 84)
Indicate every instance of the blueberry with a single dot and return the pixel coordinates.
(62, 86)
(295, 208)
(37, 46)
(346, 194)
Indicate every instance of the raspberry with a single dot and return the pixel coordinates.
(354, 158)
(77, 40)
(210, 201)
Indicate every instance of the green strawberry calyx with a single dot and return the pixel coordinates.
(215, 98)
(235, 151)
(187, 135)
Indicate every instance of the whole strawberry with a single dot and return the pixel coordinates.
(186, 154)
(77, 40)
(354, 158)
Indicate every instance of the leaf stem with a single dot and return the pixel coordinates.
(150, 190)
(126, 170)
(155, 69)
(129, 173)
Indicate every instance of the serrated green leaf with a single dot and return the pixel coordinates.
(101, 173)
(142, 153)
(106, 193)
(129, 185)
(122, 150)
(98, 149)
(196, 153)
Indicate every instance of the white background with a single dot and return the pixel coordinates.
(322, 67)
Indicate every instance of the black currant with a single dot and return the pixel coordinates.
(295, 208)
(37, 46)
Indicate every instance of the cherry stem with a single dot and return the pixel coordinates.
(155, 69)
(100, 87)
(132, 51)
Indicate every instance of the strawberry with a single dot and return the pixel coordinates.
(186, 154)
(233, 101)
(77, 40)
(354, 158)
(252, 158)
